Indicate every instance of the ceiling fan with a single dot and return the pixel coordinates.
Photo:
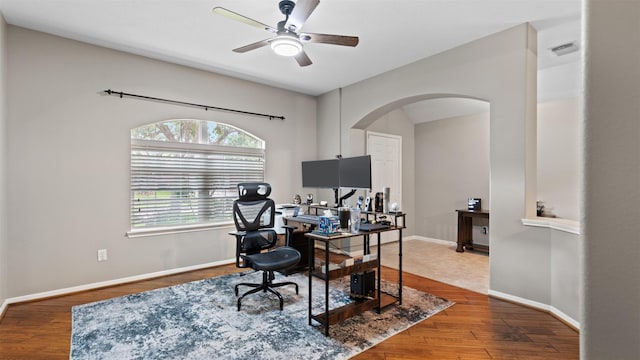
(288, 41)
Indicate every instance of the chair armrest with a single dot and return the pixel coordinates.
(238, 235)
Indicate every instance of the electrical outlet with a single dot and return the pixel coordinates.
(102, 254)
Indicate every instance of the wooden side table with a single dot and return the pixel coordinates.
(465, 229)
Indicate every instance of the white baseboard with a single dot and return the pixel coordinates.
(3, 308)
(536, 305)
(432, 240)
(515, 299)
(74, 289)
(65, 291)
(566, 318)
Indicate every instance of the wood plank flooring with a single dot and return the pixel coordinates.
(476, 327)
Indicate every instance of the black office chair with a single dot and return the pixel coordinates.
(254, 215)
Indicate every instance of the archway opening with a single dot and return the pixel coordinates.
(444, 162)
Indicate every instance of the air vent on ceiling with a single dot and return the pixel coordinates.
(565, 49)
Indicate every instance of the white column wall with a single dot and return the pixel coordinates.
(4, 269)
(611, 224)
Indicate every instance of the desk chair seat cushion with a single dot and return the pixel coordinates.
(278, 259)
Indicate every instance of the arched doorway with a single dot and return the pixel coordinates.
(445, 160)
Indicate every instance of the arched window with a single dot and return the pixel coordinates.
(184, 172)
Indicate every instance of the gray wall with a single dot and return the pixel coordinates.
(566, 267)
(452, 165)
(560, 125)
(328, 144)
(501, 69)
(4, 241)
(472, 70)
(611, 226)
(68, 166)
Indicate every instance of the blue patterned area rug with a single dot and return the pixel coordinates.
(199, 320)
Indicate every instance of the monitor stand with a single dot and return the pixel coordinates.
(343, 198)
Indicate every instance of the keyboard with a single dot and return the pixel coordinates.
(371, 227)
(307, 218)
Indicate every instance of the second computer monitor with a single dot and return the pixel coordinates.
(355, 172)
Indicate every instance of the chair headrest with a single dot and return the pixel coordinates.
(253, 191)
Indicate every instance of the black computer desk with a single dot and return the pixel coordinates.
(381, 298)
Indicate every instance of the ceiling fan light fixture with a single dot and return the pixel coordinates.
(286, 46)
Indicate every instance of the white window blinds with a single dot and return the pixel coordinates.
(175, 184)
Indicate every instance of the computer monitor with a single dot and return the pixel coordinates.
(355, 172)
(321, 174)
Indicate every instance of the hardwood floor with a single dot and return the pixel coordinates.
(476, 327)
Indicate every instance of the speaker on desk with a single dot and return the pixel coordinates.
(387, 195)
(360, 204)
(367, 204)
(379, 202)
(363, 284)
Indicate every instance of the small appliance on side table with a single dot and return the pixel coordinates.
(465, 225)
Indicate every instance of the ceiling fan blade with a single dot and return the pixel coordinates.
(303, 59)
(330, 39)
(301, 13)
(235, 16)
(255, 45)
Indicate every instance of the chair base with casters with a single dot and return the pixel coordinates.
(268, 262)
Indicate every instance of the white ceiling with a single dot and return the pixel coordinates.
(392, 33)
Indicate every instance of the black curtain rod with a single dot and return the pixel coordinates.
(205, 107)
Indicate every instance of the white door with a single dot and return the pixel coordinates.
(386, 164)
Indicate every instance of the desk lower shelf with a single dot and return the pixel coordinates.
(345, 271)
(344, 312)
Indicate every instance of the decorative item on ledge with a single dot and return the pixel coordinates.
(543, 211)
